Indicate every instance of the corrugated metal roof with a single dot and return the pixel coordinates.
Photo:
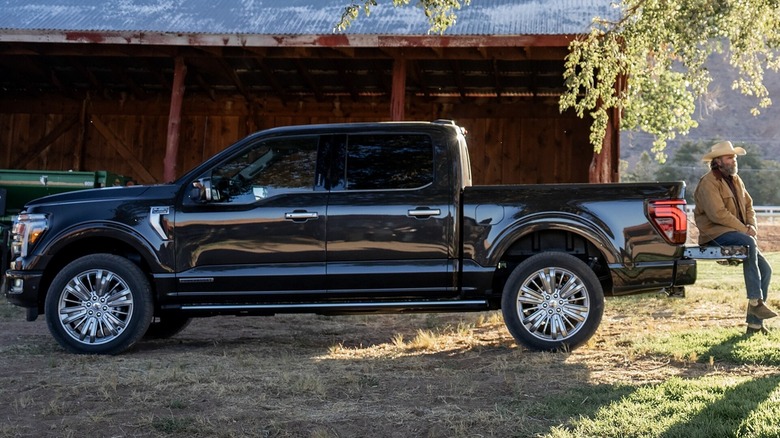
(295, 17)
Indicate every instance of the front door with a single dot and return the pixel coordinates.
(259, 235)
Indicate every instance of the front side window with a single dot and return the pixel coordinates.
(270, 167)
(383, 162)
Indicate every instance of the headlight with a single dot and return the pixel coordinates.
(27, 229)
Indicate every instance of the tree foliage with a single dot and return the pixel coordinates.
(440, 13)
(661, 47)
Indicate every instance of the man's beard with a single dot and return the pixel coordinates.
(728, 170)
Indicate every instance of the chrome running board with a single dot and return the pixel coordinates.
(337, 307)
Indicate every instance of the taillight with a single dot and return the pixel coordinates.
(669, 218)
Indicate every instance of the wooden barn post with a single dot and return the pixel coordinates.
(174, 120)
(398, 93)
(604, 167)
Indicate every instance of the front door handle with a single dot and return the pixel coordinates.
(302, 216)
(424, 212)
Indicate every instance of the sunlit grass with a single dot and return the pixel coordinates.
(713, 406)
(721, 345)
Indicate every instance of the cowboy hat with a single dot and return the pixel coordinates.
(721, 149)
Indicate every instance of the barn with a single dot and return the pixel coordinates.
(150, 88)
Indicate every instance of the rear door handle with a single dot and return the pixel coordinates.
(424, 212)
(301, 215)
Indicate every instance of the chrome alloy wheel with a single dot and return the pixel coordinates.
(553, 304)
(95, 307)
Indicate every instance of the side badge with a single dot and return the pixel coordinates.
(155, 220)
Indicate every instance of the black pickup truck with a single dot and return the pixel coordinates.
(342, 219)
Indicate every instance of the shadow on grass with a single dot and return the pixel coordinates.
(691, 408)
(741, 349)
(703, 404)
(737, 412)
(717, 346)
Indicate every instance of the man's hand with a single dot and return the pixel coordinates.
(751, 231)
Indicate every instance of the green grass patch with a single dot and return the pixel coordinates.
(721, 345)
(716, 277)
(713, 406)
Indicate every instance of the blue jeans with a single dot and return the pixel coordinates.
(756, 269)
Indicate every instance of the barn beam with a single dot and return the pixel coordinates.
(398, 94)
(497, 79)
(604, 166)
(174, 120)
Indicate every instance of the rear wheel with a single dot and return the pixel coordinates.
(99, 304)
(552, 301)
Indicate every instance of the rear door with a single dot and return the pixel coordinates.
(261, 236)
(390, 220)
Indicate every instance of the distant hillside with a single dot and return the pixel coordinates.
(723, 115)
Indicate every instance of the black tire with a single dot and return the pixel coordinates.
(99, 304)
(557, 315)
(166, 326)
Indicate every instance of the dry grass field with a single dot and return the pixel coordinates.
(423, 375)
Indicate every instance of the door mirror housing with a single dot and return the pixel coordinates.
(202, 191)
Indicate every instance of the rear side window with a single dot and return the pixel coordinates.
(383, 162)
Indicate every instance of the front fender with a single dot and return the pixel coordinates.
(156, 252)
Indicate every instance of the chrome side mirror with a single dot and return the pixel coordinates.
(201, 190)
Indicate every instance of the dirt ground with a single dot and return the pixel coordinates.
(309, 376)
(431, 375)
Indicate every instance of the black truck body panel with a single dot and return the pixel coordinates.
(340, 241)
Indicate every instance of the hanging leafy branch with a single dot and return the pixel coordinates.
(440, 13)
(661, 48)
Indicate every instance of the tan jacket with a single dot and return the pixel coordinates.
(716, 209)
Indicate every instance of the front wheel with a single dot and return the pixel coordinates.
(552, 301)
(99, 304)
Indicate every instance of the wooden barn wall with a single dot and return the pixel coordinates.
(510, 143)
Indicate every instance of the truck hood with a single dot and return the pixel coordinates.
(163, 191)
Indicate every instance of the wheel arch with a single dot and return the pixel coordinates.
(97, 239)
(571, 236)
